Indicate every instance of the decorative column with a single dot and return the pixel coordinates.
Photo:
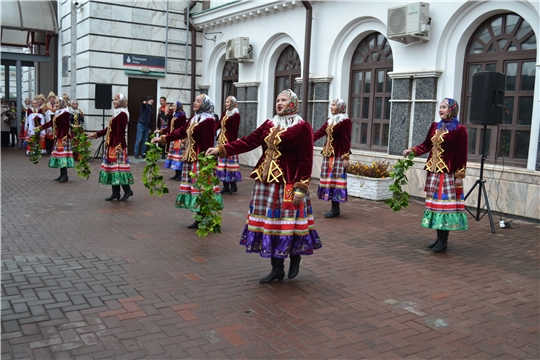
(414, 105)
(319, 102)
(400, 114)
(248, 106)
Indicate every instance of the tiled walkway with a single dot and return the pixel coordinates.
(87, 279)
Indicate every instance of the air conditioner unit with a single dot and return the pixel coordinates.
(409, 23)
(237, 49)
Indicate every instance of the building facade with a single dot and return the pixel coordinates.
(139, 48)
(392, 88)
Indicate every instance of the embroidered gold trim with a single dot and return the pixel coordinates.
(222, 139)
(436, 163)
(328, 149)
(269, 171)
(190, 155)
(108, 135)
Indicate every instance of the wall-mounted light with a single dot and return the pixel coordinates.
(77, 6)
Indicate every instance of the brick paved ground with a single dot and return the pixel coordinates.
(88, 279)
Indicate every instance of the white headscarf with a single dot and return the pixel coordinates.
(291, 116)
(233, 107)
(341, 115)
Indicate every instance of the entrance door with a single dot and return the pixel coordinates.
(138, 90)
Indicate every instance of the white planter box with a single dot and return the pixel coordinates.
(369, 188)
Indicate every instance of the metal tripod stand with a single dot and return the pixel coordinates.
(481, 183)
(101, 148)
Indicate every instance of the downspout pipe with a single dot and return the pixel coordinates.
(167, 38)
(73, 54)
(191, 28)
(193, 61)
(305, 64)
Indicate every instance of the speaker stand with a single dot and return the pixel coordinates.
(100, 151)
(481, 183)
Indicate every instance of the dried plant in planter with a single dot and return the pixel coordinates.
(377, 169)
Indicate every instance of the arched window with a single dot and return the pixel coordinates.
(370, 93)
(230, 76)
(288, 68)
(504, 43)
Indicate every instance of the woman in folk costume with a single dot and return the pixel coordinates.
(336, 152)
(198, 133)
(61, 155)
(34, 119)
(228, 169)
(115, 168)
(25, 110)
(177, 147)
(76, 121)
(48, 108)
(280, 218)
(77, 116)
(447, 144)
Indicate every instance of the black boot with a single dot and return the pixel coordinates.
(115, 193)
(277, 272)
(432, 245)
(334, 211)
(225, 188)
(294, 268)
(233, 188)
(127, 192)
(177, 175)
(64, 176)
(58, 178)
(443, 241)
(195, 225)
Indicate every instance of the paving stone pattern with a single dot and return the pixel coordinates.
(87, 279)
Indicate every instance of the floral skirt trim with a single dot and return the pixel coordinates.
(333, 181)
(274, 229)
(228, 169)
(115, 168)
(441, 221)
(445, 204)
(279, 246)
(61, 156)
(115, 178)
(186, 200)
(187, 195)
(174, 158)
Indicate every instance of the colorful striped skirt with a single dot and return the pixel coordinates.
(228, 169)
(115, 168)
(174, 158)
(61, 156)
(274, 227)
(445, 204)
(188, 193)
(333, 181)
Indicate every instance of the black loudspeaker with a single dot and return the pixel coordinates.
(487, 98)
(103, 96)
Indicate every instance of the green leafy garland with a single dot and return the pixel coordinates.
(209, 207)
(400, 198)
(151, 177)
(82, 146)
(35, 147)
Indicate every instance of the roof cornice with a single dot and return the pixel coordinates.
(240, 11)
